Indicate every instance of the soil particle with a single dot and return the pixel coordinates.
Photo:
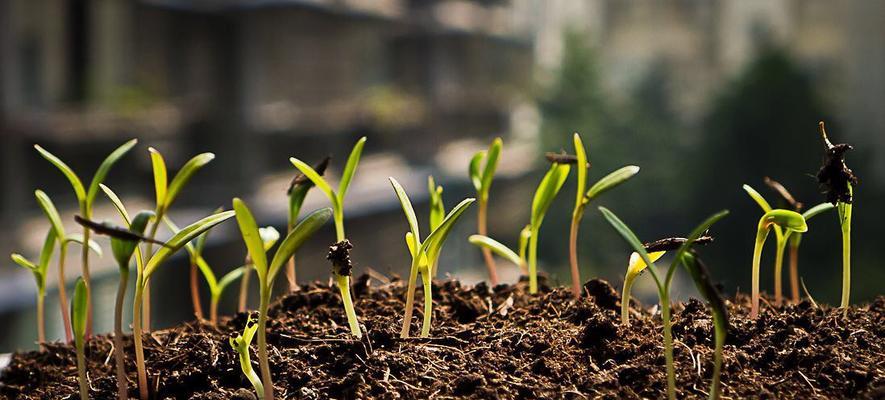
(548, 345)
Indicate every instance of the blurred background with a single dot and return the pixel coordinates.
(703, 95)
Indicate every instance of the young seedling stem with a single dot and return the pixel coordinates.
(772, 220)
(544, 195)
(269, 236)
(79, 317)
(297, 192)
(241, 345)
(40, 270)
(482, 182)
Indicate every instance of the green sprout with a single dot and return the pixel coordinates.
(786, 236)
(40, 269)
(216, 286)
(663, 286)
(482, 182)
(505, 252)
(85, 200)
(64, 239)
(79, 318)
(582, 198)
(424, 255)
(778, 220)
(544, 195)
(269, 236)
(241, 345)
(166, 192)
(267, 272)
(337, 200)
(297, 192)
(146, 268)
(839, 182)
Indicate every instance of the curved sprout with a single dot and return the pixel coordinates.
(634, 268)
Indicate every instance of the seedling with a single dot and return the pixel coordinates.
(297, 192)
(503, 251)
(544, 195)
(437, 211)
(662, 285)
(785, 236)
(79, 317)
(64, 240)
(216, 286)
(166, 192)
(337, 200)
(482, 182)
(424, 255)
(146, 269)
(269, 236)
(608, 182)
(40, 269)
(267, 272)
(838, 181)
(784, 219)
(241, 345)
(85, 199)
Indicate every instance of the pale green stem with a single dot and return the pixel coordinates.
(338, 215)
(263, 361)
(717, 361)
(482, 229)
(573, 252)
(845, 222)
(213, 308)
(122, 383)
(84, 256)
(757, 257)
(668, 345)
(410, 300)
(149, 250)
(794, 268)
(625, 301)
(533, 261)
(343, 283)
(428, 305)
(81, 369)
(62, 292)
(244, 286)
(41, 319)
(778, 270)
(136, 336)
(246, 366)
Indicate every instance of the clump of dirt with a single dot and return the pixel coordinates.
(489, 343)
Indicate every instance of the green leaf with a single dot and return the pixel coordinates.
(611, 180)
(524, 236)
(252, 238)
(581, 155)
(161, 182)
(191, 250)
(105, 168)
(184, 175)
(67, 171)
(488, 173)
(299, 234)
(317, 180)
(434, 242)
(79, 310)
(78, 238)
(706, 287)
(407, 208)
(123, 249)
(811, 212)
(230, 277)
(437, 208)
(350, 168)
(410, 243)
(474, 169)
(121, 209)
(207, 272)
(547, 190)
(784, 218)
(200, 242)
(758, 198)
(296, 200)
(24, 262)
(631, 239)
(46, 251)
(51, 212)
(495, 246)
(179, 239)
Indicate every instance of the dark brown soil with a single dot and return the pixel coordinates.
(499, 343)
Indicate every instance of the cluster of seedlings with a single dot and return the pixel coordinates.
(135, 237)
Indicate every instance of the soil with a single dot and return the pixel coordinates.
(489, 343)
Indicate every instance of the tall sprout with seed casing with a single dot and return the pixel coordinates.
(216, 286)
(424, 255)
(267, 272)
(544, 195)
(518, 259)
(785, 236)
(85, 200)
(166, 192)
(269, 236)
(839, 182)
(337, 200)
(608, 182)
(64, 239)
(241, 344)
(79, 317)
(663, 286)
(40, 269)
(635, 267)
(487, 160)
(145, 270)
(774, 219)
(297, 192)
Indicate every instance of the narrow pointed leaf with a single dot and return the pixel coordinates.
(252, 238)
(432, 246)
(79, 309)
(524, 236)
(813, 211)
(706, 287)
(207, 272)
(612, 180)
(628, 235)
(547, 190)
(179, 239)
(758, 198)
(496, 247)
(230, 277)
(407, 208)
(350, 168)
(437, 208)
(581, 155)
(488, 173)
(78, 238)
(51, 212)
(48, 248)
(24, 262)
(161, 182)
(317, 180)
(123, 249)
(410, 243)
(79, 190)
(303, 231)
(184, 176)
(105, 167)
(475, 177)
